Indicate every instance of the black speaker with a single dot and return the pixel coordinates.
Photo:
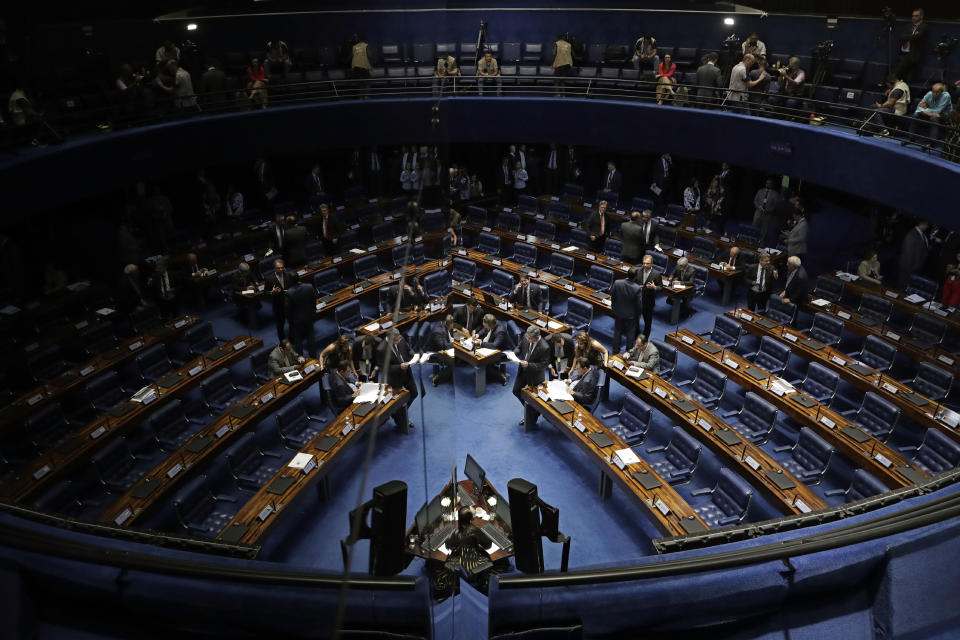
(525, 522)
(388, 528)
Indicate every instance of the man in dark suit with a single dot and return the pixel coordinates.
(365, 357)
(534, 355)
(612, 179)
(342, 391)
(708, 80)
(649, 232)
(525, 294)
(551, 171)
(795, 290)
(562, 346)
(313, 183)
(468, 317)
(374, 167)
(760, 278)
(329, 230)
(631, 236)
(913, 44)
(650, 282)
(296, 240)
(162, 290)
(278, 239)
(440, 339)
(583, 383)
(398, 354)
(301, 311)
(493, 335)
(213, 84)
(625, 307)
(660, 181)
(599, 225)
(277, 282)
(913, 251)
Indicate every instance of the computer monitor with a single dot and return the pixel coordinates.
(503, 512)
(422, 520)
(475, 474)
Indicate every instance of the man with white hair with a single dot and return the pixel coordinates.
(792, 78)
(684, 272)
(795, 290)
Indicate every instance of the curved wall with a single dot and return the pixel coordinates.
(877, 169)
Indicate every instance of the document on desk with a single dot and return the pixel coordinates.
(820, 302)
(9, 310)
(368, 393)
(448, 352)
(357, 251)
(557, 390)
(511, 356)
(483, 352)
(913, 297)
(553, 325)
(373, 326)
(492, 549)
(627, 456)
(570, 248)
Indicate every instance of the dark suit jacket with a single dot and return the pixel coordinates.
(626, 299)
(918, 42)
(270, 281)
(647, 296)
(593, 224)
(615, 183)
(797, 288)
(708, 75)
(213, 81)
(296, 250)
(278, 244)
(631, 235)
(334, 228)
(396, 377)
(654, 236)
(913, 252)
(311, 186)
(538, 359)
(460, 318)
(129, 293)
(495, 339)
(686, 276)
(301, 304)
(659, 176)
(586, 391)
(341, 392)
(519, 296)
(438, 339)
(768, 279)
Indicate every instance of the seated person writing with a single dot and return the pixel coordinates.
(644, 355)
(283, 359)
(583, 382)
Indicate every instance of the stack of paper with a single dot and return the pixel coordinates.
(483, 352)
(511, 356)
(373, 326)
(368, 393)
(357, 251)
(820, 302)
(554, 325)
(448, 352)
(304, 461)
(557, 390)
(915, 298)
(570, 248)
(627, 456)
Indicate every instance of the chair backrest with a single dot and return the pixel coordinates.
(199, 338)
(613, 248)
(864, 485)
(579, 312)
(928, 328)
(877, 415)
(875, 307)
(524, 253)
(709, 381)
(152, 356)
(545, 229)
(365, 267)
(780, 311)
(660, 261)
(290, 414)
(241, 453)
(932, 381)
(820, 380)
(828, 288)
(385, 297)
(668, 359)
(757, 413)
(528, 203)
(812, 452)
(684, 451)
(193, 502)
(217, 384)
(883, 353)
(501, 281)
(922, 286)
(732, 495)
(700, 276)
(489, 243)
(772, 355)
(349, 310)
(464, 270)
(383, 231)
(704, 247)
(826, 328)
(636, 413)
(600, 277)
(326, 277)
(561, 263)
(580, 238)
(258, 363)
(477, 215)
(437, 284)
(726, 332)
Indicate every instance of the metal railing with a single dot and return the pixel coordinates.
(860, 120)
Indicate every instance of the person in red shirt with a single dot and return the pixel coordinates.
(257, 83)
(666, 78)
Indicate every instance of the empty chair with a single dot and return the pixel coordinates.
(314, 251)
(143, 319)
(200, 339)
(729, 500)
(383, 231)
(660, 261)
(349, 239)
(771, 356)
(525, 254)
(104, 392)
(826, 329)
(328, 281)
(63, 499)
(219, 392)
(579, 314)
(756, 419)
(509, 220)
(47, 426)
(936, 453)
(876, 353)
(599, 278)
(819, 383)
(532, 52)
(366, 267)
(489, 244)
(46, 363)
(668, 359)
(295, 426)
(573, 192)
(634, 420)
(579, 238)
(404, 255)
(154, 363)
(349, 318)
(258, 364)
(545, 229)
(528, 203)
(926, 331)
(876, 415)
(849, 72)
(704, 248)
(707, 387)
(809, 457)
(391, 54)
(464, 270)
(201, 512)
(437, 284)
(170, 426)
(500, 283)
(97, 338)
(668, 237)
(251, 466)
(748, 234)
(931, 381)
(828, 288)
(921, 286)
(477, 215)
(116, 465)
(613, 248)
(780, 311)
(862, 485)
(561, 265)
(875, 308)
(726, 332)
(680, 457)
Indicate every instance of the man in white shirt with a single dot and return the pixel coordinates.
(754, 45)
(740, 82)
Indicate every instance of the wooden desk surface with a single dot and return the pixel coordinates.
(210, 440)
(503, 308)
(750, 461)
(78, 447)
(265, 507)
(671, 523)
(897, 298)
(843, 435)
(725, 242)
(920, 409)
(18, 410)
(856, 323)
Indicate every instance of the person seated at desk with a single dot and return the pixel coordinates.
(869, 268)
(561, 354)
(245, 280)
(365, 358)
(467, 547)
(684, 273)
(525, 294)
(644, 355)
(468, 317)
(583, 382)
(440, 339)
(342, 389)
(412, 293)
(283, 359)
(193, 265)
(339, 349)
(493, 335)
(586, 347)
(733, 259)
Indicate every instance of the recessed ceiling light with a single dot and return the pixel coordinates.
(728, 21)
(192, 26)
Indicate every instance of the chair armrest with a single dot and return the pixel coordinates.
(797, 382)
(848, 412)
(270, 454)
(656, 449)
(786, 447)
(835, 492)
(729, 520)
(701, 492)
(684, 383)
(681, 473)
(222, 498)
(908, 448)
(803, 476)
(610, 415)
(731, 413)
(749, 356)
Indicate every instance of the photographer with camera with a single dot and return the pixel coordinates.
(792, 78)
(913, 43)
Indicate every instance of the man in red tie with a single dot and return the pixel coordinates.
(330, 230)
(598, 225)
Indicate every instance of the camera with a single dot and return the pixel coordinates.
(822, 50)
(945, 47)
(731, 43)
